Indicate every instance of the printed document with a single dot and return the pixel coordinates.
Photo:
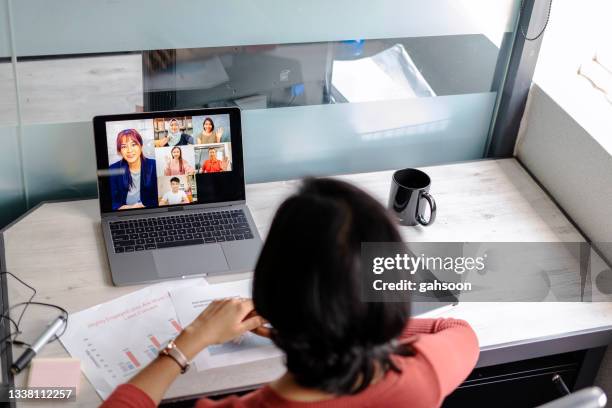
(189, 302)
(115, 340)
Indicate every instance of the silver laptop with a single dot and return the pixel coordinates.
(172, 195)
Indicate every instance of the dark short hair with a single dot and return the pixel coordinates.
(175, 180)
(211, 122)
(307, 284)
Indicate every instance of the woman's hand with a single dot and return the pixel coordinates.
(222, 321)
(161, 142)
(264, 330)
(167, 170)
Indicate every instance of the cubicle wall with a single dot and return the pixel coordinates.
(325, 87)
(11, 184)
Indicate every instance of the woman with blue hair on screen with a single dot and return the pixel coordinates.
(133, 180)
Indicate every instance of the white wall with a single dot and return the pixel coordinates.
(566, 134)
(571, 164)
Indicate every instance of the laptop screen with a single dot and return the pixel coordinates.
(166, 159)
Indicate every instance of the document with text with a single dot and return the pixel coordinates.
(116, 339)
(189, 302)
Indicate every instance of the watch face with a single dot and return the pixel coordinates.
(164, 345)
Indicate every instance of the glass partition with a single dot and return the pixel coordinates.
(325, 87)
(12, 202)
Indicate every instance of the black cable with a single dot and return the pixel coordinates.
(545, 24)
(16, 332)
(6, 316)
(61, 309)
(10, 321)
(29, 300)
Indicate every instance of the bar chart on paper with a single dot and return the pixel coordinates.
(121, 364)
(115, 340)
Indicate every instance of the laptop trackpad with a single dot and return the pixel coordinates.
(190, 260)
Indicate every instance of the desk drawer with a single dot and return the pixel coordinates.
(519, 384)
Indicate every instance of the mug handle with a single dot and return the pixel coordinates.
(432, 205)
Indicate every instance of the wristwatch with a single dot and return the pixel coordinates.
(172, 351)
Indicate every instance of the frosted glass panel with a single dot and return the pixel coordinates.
(5, 45)
(11, 190)
(292, 142)
(59, 161)
(77, 89)
(288, 143)
(326, 87)
(286, 75)
(8, 100)
(339, 107)
(94, 26)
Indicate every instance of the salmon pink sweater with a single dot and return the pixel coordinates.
(446, 352)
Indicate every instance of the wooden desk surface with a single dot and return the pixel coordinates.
(58, 249)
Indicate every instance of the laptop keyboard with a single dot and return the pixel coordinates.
(179, 230)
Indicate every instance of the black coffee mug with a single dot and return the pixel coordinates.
(409, 196)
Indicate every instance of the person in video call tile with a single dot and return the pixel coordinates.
(174, 196)
(209, 134)
(177, 165)
(175, 137)
(213, 165)
(135, 183)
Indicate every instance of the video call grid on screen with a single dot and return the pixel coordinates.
(173, 153)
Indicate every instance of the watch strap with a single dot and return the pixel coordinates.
(172, 351)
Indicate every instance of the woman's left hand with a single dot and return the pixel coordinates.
(222, 321)
(219, 134)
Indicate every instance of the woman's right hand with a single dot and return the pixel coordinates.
(161, 142)
(222, 321)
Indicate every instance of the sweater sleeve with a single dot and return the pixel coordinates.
(128, 396)
(419, 326)
(450, 346)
